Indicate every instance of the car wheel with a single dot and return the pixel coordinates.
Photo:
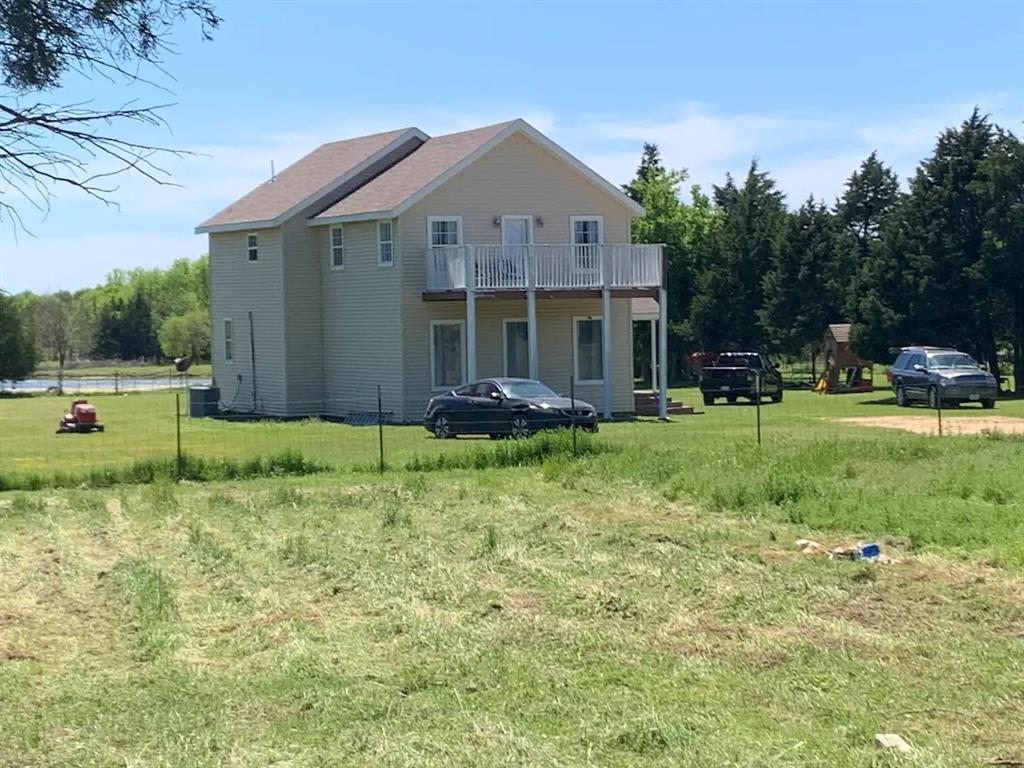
(442, 427)
(777, 397)
(520, 427)
(988, 404)
(709, 399)
(934, 401)
(901, 397)
(731, 399)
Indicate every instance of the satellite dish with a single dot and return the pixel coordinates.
(182, 364)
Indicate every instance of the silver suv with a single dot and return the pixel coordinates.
(941, 377)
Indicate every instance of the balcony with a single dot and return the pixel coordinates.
(493, 268)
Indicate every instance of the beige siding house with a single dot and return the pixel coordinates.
(419, 263)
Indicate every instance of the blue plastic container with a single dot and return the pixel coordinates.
(868, 550)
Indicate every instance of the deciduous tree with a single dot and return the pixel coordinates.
(44, 146)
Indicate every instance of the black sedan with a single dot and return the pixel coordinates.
(500, 407)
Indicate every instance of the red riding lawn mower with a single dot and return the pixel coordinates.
(81, 417)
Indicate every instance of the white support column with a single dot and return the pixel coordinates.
(654, 354)
(606, 349)
(531, 315)
(663, 354)
(470, 314)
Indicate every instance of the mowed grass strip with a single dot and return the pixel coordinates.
(564, 614)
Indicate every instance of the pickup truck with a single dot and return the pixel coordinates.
(735, 375)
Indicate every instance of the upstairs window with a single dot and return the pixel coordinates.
(586, 230)
(252, 242)
(337, 247)
(385, 244)
(229, 342)
(444, 230)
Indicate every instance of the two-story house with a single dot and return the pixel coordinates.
(419, 263)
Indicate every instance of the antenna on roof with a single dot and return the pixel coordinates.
(272, 176)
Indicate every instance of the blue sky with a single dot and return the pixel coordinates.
(809, 88)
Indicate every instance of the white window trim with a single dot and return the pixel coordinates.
(224, 323)
(586, 217)
(504, 340)
(458, 229)
(433, 365)
(330, 247)
(249, 248)
(576, 345)
(529, 226)
(381, 262)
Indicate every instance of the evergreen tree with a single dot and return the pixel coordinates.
(17, 348)
(108, 331)
(871, 195)
(137, 335)
(650, 164)
(880, 292)
(747, 242)
(951, 302)
(1001, 190)
(797, 301)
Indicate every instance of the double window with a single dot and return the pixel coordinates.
(447, 353)
(444, 230)
(337, 247)
(385, 244)
(229, 342)
(588, 351)
(252, 244)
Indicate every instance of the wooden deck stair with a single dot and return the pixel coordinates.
(645, 403)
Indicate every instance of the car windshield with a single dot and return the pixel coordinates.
(526, 389)
(951, 360)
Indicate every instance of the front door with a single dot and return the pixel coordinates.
(515, 236)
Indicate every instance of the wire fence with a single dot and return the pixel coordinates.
(116, 382)
(362, 431)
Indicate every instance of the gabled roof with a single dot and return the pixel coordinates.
(435, 162)
(431, 161)
(840, 332)
(306, 181)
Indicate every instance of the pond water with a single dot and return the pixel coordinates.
(103, 383)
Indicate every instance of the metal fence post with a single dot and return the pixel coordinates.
(177, 418)
(938, 408)
(572, 409)
(380, 429)
(757, 397)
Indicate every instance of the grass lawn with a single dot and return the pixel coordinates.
(644, 606)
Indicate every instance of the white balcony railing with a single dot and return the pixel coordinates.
(545, 267)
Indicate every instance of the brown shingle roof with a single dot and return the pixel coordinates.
(409, 176)
(303, 179)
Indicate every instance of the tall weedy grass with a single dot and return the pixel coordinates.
(143, 471)
(513, 453)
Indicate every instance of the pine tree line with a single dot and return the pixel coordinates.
(940, 263)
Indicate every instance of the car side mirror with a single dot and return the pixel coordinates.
(496, 396)
(920, 368)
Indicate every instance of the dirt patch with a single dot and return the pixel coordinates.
(951, 425)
